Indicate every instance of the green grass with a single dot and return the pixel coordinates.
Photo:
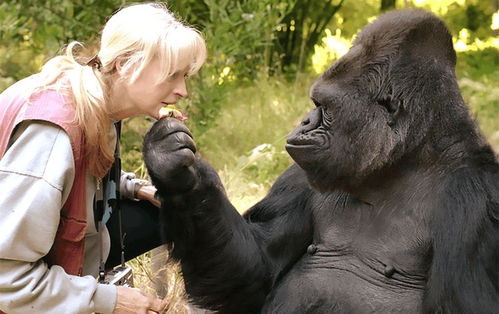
(246, 143)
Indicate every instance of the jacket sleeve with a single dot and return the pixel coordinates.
(129, 185)
(36, 175)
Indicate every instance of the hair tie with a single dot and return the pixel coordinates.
(94, 62)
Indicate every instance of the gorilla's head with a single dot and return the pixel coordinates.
(379, 102)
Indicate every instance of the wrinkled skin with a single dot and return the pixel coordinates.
(392, 205)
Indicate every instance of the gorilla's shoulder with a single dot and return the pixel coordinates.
(290, 192)
(475, 185)
(293, 178)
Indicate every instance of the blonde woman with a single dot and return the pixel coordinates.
(57, 142)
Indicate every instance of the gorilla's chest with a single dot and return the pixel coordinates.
(364, 259)
(393, 232)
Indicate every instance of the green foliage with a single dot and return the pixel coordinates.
(478, 72)
(240, 32)
(476, 16)
(302, 28)
(239, 35)
(33, 31)
(237, 32)
(478, 65)
(353, 15)
(56, 22)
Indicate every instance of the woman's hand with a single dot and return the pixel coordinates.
(147, 192)
(132, 300)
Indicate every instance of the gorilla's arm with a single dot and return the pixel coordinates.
(229, 262)
(464, 276)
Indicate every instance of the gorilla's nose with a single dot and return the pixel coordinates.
(311, 122)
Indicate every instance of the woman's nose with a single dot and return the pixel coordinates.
(181, 89)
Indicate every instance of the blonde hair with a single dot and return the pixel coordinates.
(133, 36)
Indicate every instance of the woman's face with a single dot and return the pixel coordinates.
(146, 96)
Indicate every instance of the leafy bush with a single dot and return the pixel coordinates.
(477, 72)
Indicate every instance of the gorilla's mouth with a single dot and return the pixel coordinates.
(300, 141)
(301, 147)
(314, 138)
(299, 152)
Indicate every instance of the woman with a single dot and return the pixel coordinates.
(56, 144)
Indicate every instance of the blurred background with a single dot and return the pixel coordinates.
(263, 56)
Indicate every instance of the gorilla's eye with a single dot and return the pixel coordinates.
(327, 119)
(316, 103)
(385, 102)
(391, 105)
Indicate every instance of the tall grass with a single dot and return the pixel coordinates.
(246, 142)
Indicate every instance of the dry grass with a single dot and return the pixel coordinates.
(164, 282)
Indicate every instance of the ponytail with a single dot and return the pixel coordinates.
(86, 87)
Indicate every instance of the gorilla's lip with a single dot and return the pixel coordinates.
(292, 149)
(301, 154)
(300, 141)
(302, 146)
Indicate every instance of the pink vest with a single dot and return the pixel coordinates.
(68, 247)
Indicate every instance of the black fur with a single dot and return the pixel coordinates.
(392, 206)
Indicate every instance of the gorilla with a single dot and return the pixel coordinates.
(392, 205)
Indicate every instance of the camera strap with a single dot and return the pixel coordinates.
(107, 202)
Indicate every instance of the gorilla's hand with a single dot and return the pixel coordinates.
(169, 154)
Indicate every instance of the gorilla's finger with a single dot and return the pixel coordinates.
(162, 164)
(165, 127)
(173, 171)
(176, 126)
(184, 157)
(179, 140)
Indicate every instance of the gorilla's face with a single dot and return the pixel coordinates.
(373, 105)
(350, 133)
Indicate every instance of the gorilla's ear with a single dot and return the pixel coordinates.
(392, 106)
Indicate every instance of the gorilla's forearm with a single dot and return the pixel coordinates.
(229, 262)
(222, 264)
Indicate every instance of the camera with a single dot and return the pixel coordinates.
(119, 276)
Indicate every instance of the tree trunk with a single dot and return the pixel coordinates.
(310, 20)
(387, 5)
